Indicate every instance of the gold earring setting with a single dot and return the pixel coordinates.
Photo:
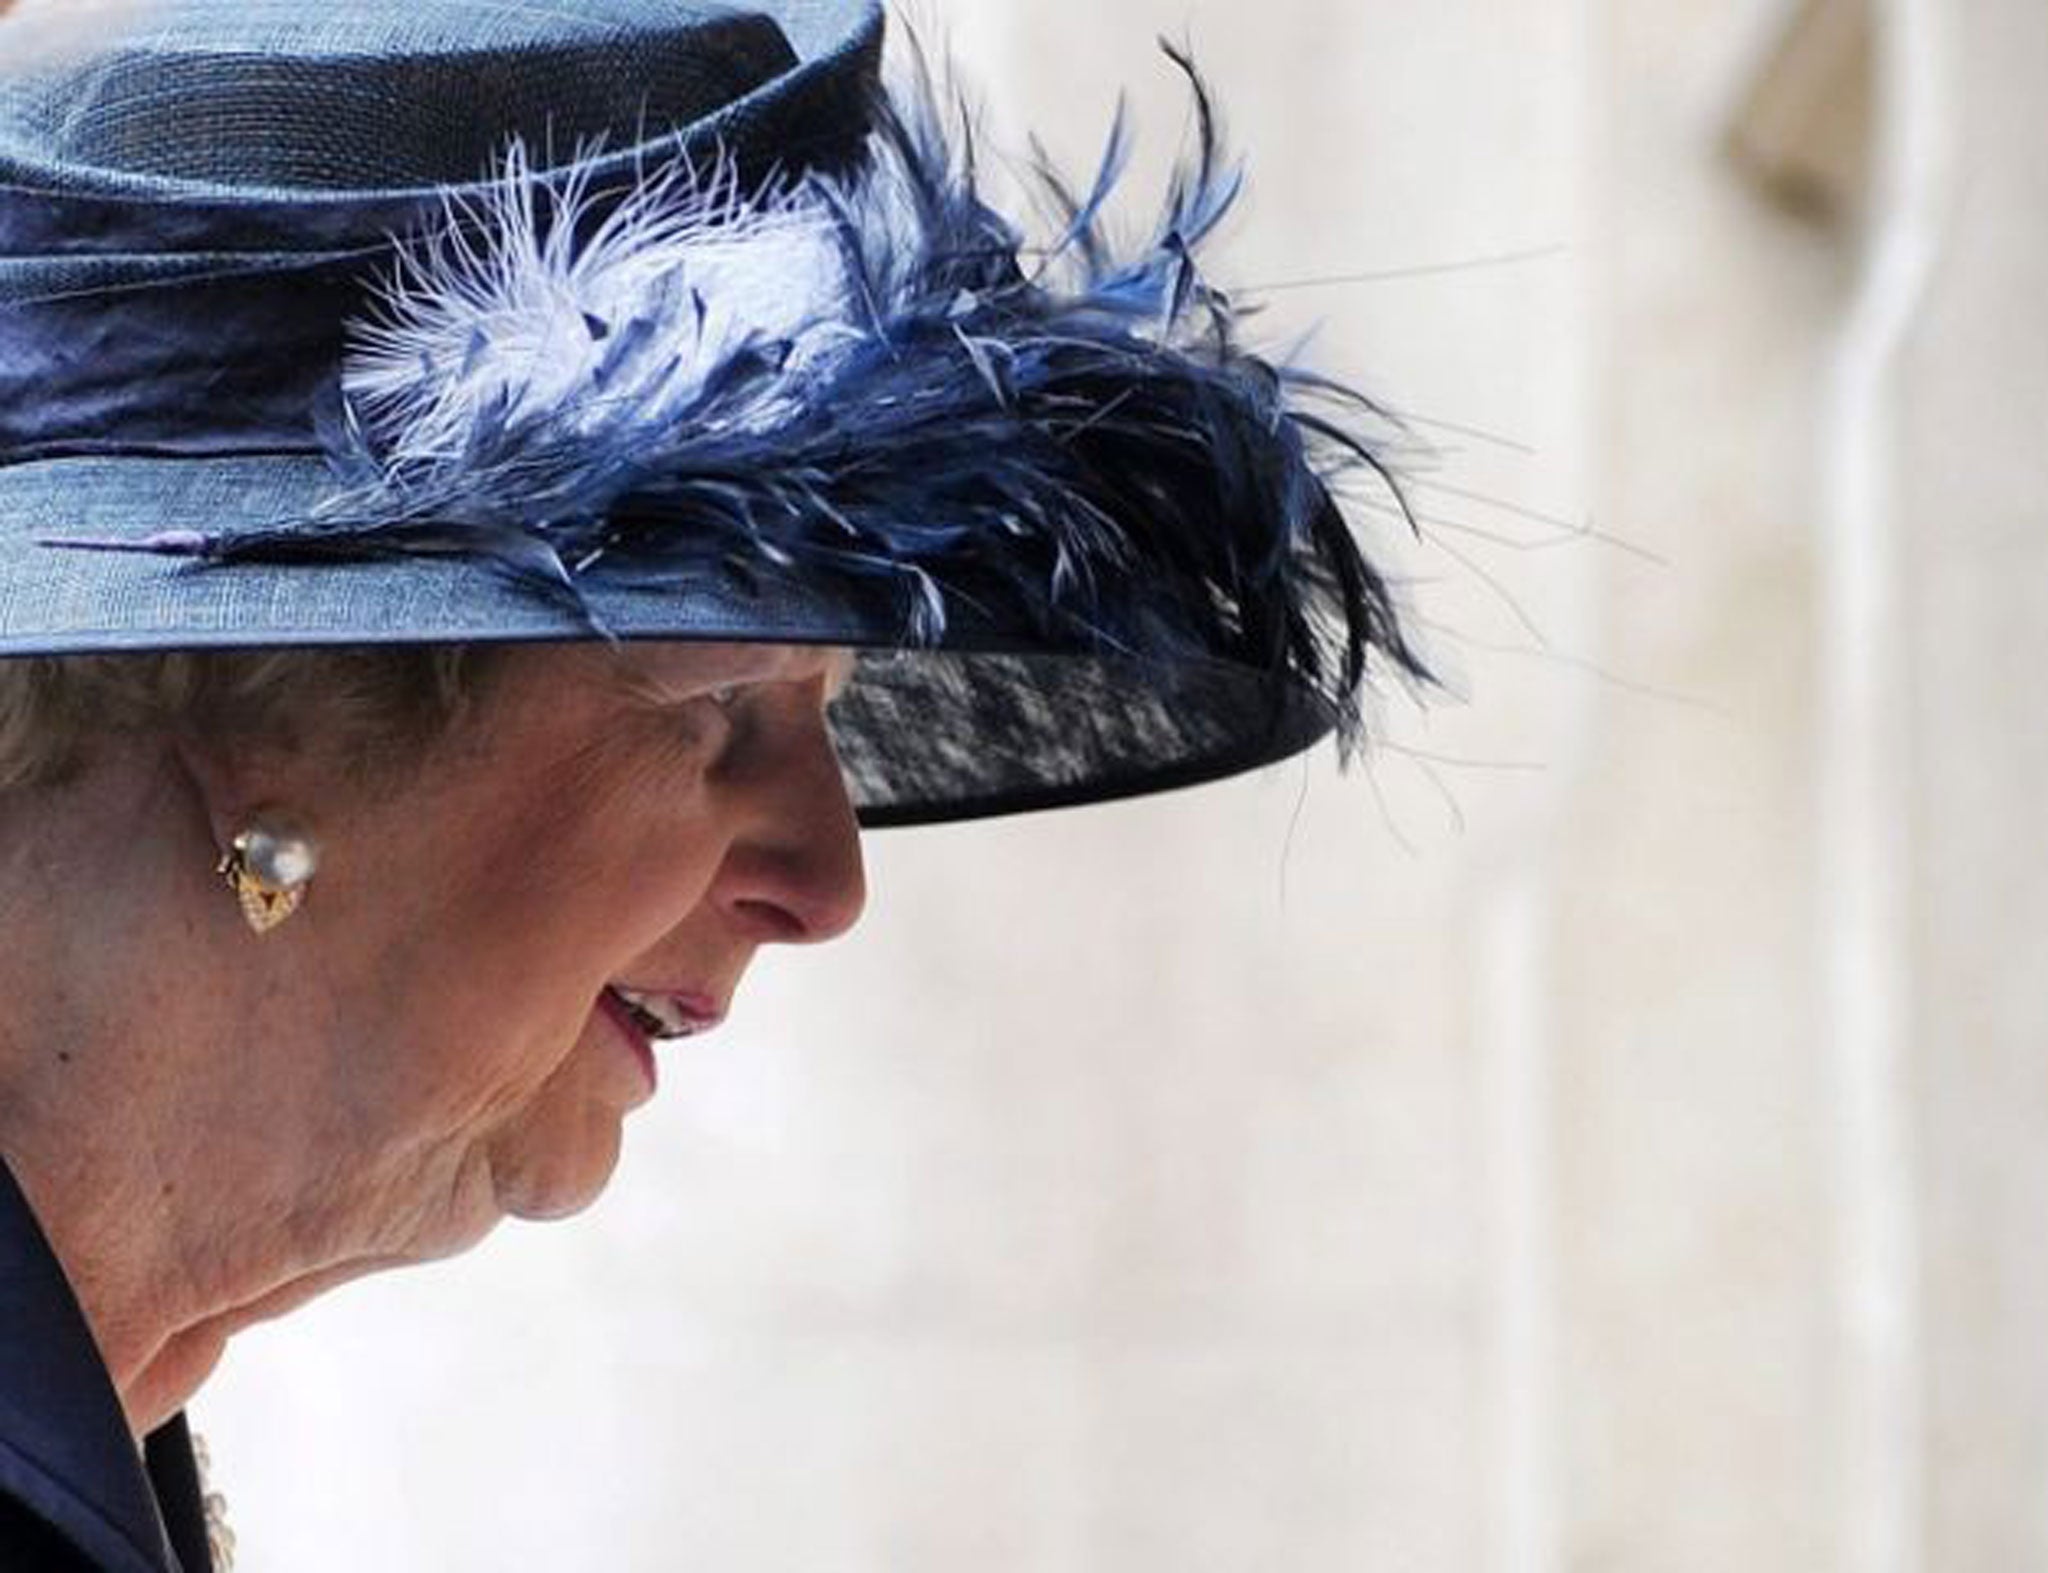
(269, 867)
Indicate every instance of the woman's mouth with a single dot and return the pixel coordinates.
(648, 1018)
(664, 1016)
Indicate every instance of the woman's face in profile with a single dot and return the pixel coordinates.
(588, 864)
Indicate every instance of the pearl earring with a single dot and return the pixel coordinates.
(268, 867)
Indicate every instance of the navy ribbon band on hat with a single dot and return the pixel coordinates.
(221, 363)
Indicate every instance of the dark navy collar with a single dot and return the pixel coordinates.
(65, 1448)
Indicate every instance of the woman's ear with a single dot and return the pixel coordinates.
(233, 787)
(266, 844)
(211, 781)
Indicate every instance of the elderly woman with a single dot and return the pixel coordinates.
(491, 499)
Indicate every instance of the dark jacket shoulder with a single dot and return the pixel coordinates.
(27, 1542)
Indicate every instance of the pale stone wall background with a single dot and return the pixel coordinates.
(1610, 1134)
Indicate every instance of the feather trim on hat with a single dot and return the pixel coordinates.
(862, 380)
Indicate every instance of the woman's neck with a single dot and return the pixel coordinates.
(113, 1069)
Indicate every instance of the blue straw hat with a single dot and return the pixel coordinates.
(470, 320)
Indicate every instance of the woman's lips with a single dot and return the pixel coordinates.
(662, 1014)
(646, 1017)
(621, 1016)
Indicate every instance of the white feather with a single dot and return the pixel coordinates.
(500, 315)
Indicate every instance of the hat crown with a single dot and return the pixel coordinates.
(373, 95)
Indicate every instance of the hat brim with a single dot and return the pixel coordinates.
(985, 722)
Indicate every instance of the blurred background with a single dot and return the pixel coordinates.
(1609, 1130)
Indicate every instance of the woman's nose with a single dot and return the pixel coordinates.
(794, 874)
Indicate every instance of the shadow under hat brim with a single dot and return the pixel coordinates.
(986, 721)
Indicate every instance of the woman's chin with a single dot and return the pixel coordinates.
(561, 1178)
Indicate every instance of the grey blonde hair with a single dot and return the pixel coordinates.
(375, 707)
